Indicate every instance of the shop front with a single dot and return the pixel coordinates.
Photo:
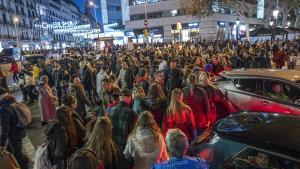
(182, 32)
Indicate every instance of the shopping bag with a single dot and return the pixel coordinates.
(8, 161)
(28, 148)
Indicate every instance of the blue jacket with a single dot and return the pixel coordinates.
(182, 163)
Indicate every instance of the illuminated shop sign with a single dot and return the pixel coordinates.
(193, 25)
(221, 24)
(57, 25)
(75, 29)
(190, 25)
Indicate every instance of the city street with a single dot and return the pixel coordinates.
(150, 84)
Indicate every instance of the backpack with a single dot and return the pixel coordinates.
(23, 114)
(42, 160)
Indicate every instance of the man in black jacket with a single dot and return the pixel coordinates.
(57, 76)
(88, 82)
(9, 129)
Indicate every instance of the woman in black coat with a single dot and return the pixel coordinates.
(62, 138)
(71, 102)
(175, 81)
(77, 90)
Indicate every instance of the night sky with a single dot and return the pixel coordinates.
(81, 5)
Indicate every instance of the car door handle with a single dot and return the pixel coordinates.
(266, 103)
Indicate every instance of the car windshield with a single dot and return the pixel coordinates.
(216, 150)
(245, 122)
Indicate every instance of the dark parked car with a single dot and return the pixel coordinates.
(34, 59)
(251, 140)
(264, 90)
(8, 55)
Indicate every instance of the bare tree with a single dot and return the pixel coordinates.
(291, 5)
(246, 9)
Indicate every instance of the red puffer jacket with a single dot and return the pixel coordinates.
(14, 68)
(279, 59)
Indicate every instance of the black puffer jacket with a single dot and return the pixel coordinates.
(157, 108)
(82, 100)
(58, 144)
(175, 81)
(88, 79)
(9, 129)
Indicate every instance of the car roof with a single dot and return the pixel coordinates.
(273, 132)
(290, 75)
(34, 55)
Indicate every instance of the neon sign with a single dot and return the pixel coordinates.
(57, 25)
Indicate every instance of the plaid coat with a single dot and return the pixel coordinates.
(123, 120)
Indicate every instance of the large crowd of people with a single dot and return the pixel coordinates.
(120, 108)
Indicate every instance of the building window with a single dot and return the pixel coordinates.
(113, 8)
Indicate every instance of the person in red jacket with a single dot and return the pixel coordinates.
(15, 69)
(179, 115)
(217, 66)
(278, 57)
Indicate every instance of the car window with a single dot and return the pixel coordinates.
(7, 52)
(216, 150)
(249, 85)
(251, 158)
(282, 91)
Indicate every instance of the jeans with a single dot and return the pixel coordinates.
(15, 143)
(59, 94)
(24, 92)
(15, 78)
(91, 97)
(31, 95)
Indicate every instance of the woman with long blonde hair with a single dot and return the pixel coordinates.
(102, 144)
(146, 143)
(179, 115)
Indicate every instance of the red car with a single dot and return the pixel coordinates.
(264, 90)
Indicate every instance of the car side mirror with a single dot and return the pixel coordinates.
(297, 102)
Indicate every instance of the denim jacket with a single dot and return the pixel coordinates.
(184, 162)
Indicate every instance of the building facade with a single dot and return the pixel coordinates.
(111, 11)
(166, 22)
(17, 20)
(59, 14)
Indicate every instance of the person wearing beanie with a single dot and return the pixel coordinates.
(10, 132)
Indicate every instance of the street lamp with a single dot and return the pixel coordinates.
(237, 28)
(275, 15)
(92, 4)
(16, 21)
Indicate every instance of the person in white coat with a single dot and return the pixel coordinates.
(146, 144)
(103, 73)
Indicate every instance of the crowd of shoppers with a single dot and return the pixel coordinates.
(137, 98)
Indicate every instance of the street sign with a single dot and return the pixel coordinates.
(146, 22)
